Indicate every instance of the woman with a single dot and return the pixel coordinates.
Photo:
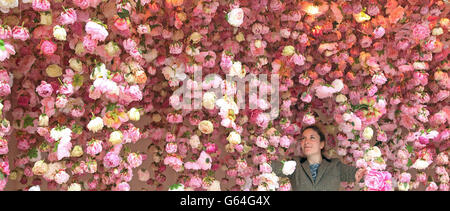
(317, 172)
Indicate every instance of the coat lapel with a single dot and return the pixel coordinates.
(322, 169)
(305, 166)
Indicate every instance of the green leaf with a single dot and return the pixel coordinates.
(78, 80)
(56, 146)
(32, 153)
(77, 129)
(28, 121)
(409, 148)
(175, 186)
(110, 107)
(125, 13)
(409, 163)
(2, 45)
(378, 143)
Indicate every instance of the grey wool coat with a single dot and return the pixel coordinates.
(330, 174)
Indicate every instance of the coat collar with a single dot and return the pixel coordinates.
(322, 168)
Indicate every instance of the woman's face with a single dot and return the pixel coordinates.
(310, 142)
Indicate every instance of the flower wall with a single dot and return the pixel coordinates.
(86, 92)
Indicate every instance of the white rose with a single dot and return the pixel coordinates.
(194, 141)
(74, 187)
(240, 37)
(347, 116)
(209, 100)
(46, 18)
(215, 186)
(76, 64)
(116, 137)
(95, 125)
(258, 43)
(79, 48)
(77, 151)
(289, 167)
(235, 17)
(403, 186)
(134, 114)
(195, 37)
(367, 133)
(420, 164)
(59, 33)
(373, 152)
(43, 120)
(130, 78)
(53, 70)
(55, 134)
(112, 48)
(437, 31)
(234, 138)
(206, 127)
(288, 50)
(236, 69)
(341, 98)
(5, 5)
(99, 71)
(420, 65)
(338, 85)
(40, 167)
(35, 188)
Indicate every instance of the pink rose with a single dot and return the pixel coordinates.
(40, 5)
(3, 146)
(444, 187)
(195, 182)
(210, 148)
(379, 79)
(5, 32)
(48, 48)
(309, 119)
(298, 59)
(405, 177)
(9, 50)
(123, 186)
(5, 89)
(97, 31)
(69, 16)
(204, 161)
(121, 24)
(111, 160)
(94, 148)
(378, 32)
(135, 160)
(176, 48)
(171, 147)
(61, 177)
(285, 142)
(324, 91)
(89, 43)
(20, 33)
(83, 4)
(420, 31)
(378, 181)
(44, 89)
(432, 187)
(365, 42)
